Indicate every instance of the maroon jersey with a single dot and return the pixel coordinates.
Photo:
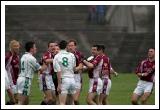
(12, 66)
(49, 69)
(96, 71)
(146, 66)
(106, 67)
(78, 56)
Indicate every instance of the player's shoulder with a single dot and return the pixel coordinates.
(57, 55)
(105, 57)
(70, 53)
(46, 53)
(79, 52)
(28, 56)
(8, 54)
(144, 60)
(98, 57)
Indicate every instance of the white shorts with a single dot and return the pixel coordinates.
(23, 85)
(46, 82)
(78, 80)
(95, 85)
(10, 85)
(143, 86)
(68, 86)
(7, 83)
(106, 86)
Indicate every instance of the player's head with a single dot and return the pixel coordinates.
(56, 49)
(100, 48)
(51, 46)
(151, 53)
(72, 45)
(14, 46)
(31, 47)
(62, 44)
(94, 50)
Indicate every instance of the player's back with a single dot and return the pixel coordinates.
(66, 62)
(27, 65)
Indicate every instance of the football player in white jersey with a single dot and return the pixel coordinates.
(64, 64)
(27, 68)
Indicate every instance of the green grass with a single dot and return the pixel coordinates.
(120, 94)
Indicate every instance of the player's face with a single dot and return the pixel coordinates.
(71, 47)
(15, 47)
(151, 53)
(51, 47)
(94, 51)
(56, 49)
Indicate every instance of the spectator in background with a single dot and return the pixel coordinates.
(92, 14)
(100, 13)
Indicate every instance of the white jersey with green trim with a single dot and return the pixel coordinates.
(65, 62)
(28, 65)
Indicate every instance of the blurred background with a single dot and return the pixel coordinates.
(127, 31)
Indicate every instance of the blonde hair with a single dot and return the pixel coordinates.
(12, 42)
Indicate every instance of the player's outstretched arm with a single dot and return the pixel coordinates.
(88, 64)
(113, 72)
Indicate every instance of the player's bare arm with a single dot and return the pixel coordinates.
(88, 64)
(78, 68)
(113, 71)
(142, 74)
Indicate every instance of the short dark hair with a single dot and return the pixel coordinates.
(49, 43)
(101, 47)
(62, 44)
(72, 40)
(95, 45)
(29, 45)
(52, 42)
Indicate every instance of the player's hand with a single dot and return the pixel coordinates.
(84, 58)
(144, 74)
(115, 74)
